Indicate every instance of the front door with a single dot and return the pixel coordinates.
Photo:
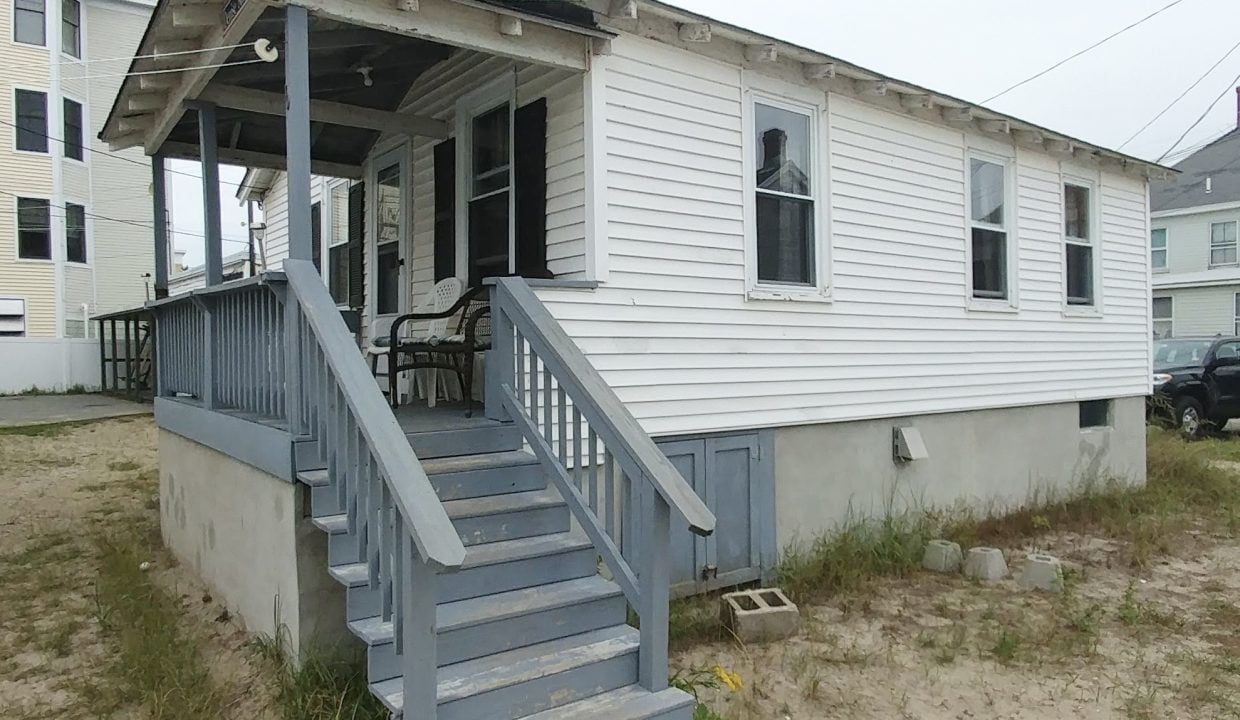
(390, 220)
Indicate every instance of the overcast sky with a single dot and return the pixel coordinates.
(972, 49)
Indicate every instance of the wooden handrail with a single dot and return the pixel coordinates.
(437, 541)
(598, 402)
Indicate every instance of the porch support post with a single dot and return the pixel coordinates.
(159, 217)
(297, 129)
(209, 153)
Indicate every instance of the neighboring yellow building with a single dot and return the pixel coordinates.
(75, 218)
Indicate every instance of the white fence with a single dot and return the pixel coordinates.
(48, 364)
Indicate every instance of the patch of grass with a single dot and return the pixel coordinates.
(123, 465)
(324, 686)
(1006, 646)
(77, 389)
(156, 663)
(54, 429)
(694, 620)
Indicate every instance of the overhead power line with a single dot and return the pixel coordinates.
(90, 149)
(133, 223)
(1079, 53)
(1201, 117)
(1180, 97)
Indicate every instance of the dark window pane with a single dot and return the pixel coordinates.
(1080, 274)
(31, 120)
(1095, 413)
(989, 263)
(73, 130)
(490, 150)
(783, 150)
(1161, 308)
(785, 245)
(387, 279)
(316, 236)
(34, 237)
(70, 22)
(986, 191)
(75, 233)
(488, 237)
(338, 273)
(1076, 211)
(28, 18)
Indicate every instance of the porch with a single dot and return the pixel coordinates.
(467, 548)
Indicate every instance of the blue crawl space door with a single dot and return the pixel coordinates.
(733, 474)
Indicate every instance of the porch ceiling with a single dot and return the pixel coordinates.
(338, 55)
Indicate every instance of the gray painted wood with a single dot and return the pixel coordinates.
(159, 223)
(267, 448)
(628, 703)
(297, 129)
(209, 154)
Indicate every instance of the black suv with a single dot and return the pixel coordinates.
(1197, 382)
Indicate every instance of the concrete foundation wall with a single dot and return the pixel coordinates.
(247, 536)
(989, 459)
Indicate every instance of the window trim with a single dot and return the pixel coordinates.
(47, 119)
(63, 21)
(1235, 245)
(760, 89)
(51, 237)
(1092, 184)
(1170, 320)
(1166, 266)
(13, 25)
(395, 152)
(86, 230)
(480, 101)
(64, 140)
(329, 213)
(1010, 303)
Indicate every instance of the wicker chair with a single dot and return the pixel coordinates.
(453, 352)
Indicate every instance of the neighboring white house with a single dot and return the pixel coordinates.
(75, 219)
(1193, 242)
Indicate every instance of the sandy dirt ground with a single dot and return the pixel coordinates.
(58, 491)
(1163, 642)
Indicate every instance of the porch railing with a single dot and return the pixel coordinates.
(276, 348)
(603, 462)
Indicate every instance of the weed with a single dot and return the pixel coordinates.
(123, 465)
(1006, 647)
(325, 685)
(694, 620)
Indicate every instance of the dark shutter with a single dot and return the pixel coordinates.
(316, 236)
(445, 210)
(530, 157)
(357, 243)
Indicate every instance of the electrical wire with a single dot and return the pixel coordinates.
(1082, 52)
(169, 70)
(1203, 115)
(134, 223)
(1180, 97)
(1214, 137)
(87, 148)
(129, 58)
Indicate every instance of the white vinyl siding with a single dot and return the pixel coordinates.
(674, 334)
(1201, 311)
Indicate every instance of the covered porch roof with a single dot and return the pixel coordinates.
(363, 58)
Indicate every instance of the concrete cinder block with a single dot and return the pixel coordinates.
(942, 556)
(985, 563)
(759, 615)
(1042, 572)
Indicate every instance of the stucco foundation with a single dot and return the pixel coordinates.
(990, 459)
(247, 535)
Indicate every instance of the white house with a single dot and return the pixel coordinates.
(1193, 236)
(817, 290)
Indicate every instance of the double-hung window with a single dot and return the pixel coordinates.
(1222, 244)
(1162, 314)
(75, 233)
(71, 27)
(988, 224)
(31, 111)
(73, 129)
(1078, 243)
(338, 243)
(489, 187)
(1158, 249)
(785, 227)
(29, 18)
(34, 232)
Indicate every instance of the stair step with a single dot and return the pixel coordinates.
(481, 461)
(479, 556)
(495, 518)
(627, 703)
(333, 524)
(314, 478)
(481, 626)
(486, 437)
(469, 476)
(532, 678)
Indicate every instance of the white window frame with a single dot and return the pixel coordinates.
(64, 147)
(1091, 184)
(1010, 303)
(47, 120)
(13, 25)
(86, 227)
(52, 239)
(81, 34)
(329, 217)
(477, 102)
(760, 89)
(1170, 319)
(1165, 249)
(1235, 245)
(398, 152)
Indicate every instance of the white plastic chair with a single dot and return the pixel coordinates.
(439, 299)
